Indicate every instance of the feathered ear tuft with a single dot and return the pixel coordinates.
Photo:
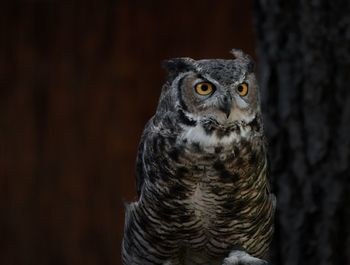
(244, 58)
(238, 53)
(179, 65)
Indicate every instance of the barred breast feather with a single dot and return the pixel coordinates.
(201, 194)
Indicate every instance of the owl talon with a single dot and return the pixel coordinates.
(239, 257)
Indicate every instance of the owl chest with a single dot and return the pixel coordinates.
(212, 220)
(221, 197)
(207, 208)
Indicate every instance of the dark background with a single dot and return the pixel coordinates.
(78, 81)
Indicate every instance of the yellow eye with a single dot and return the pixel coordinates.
(242, 89)
(204, 88)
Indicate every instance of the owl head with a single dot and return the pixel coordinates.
(221, 91)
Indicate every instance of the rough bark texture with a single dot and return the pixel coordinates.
(304, 55)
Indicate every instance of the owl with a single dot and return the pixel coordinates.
(203, 192)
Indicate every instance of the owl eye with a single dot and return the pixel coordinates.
(242, 89)
(204, 88)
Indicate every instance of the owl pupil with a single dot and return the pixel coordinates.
(240, 89)
(204, 87)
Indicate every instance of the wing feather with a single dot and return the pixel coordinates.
(141, 172)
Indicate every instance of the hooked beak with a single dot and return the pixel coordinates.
(226, 105)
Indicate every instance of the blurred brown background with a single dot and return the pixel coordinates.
(78, 81)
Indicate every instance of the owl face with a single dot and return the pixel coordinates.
(224, 91)
(208, 98)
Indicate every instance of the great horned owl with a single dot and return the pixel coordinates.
(204, 196)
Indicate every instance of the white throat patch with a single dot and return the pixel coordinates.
(197, 134)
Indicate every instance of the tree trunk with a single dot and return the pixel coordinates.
(304, 62)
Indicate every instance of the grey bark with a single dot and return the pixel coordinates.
(304, 62)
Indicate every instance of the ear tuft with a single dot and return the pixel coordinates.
(237, 53)
(244, 58)
(179, 65)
